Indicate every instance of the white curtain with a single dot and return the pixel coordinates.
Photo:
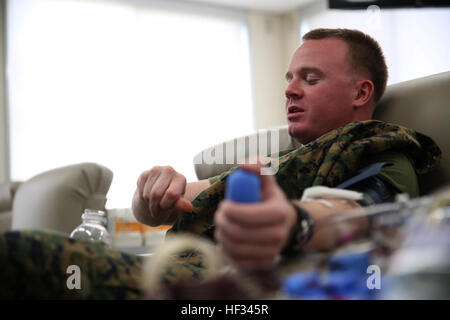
(127, 86)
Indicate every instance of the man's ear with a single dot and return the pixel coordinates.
(363, 93)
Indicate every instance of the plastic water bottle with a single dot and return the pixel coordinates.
(243, 186)
(93, 227)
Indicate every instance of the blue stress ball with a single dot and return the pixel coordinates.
(243, 186)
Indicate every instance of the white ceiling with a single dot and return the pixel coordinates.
(277, 6)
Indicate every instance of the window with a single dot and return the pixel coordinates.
(124, 84)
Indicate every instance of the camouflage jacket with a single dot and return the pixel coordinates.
(328, 160)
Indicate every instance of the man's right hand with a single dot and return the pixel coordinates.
(159, 196)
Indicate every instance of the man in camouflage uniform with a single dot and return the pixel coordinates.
(335, 78)
(334, 81)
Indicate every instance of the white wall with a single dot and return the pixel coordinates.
(422, 43)
(273, 39)
(3, 122)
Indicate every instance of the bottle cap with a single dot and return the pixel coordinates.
(93, 214)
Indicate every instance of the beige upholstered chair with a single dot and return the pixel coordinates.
(422, 104)
(55, 199)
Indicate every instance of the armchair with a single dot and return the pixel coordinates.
(54, 199)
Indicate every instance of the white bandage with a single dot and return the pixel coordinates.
(320, 193)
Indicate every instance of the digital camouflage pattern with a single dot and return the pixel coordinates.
(328, 160)
(34, 264)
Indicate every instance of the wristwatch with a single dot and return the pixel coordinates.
(303, 232)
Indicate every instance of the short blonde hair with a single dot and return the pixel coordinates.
(364, 52)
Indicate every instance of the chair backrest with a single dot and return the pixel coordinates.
(260, 142)
(421, 104)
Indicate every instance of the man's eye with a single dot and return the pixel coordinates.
(311, 80)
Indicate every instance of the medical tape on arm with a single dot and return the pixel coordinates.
(321, 193)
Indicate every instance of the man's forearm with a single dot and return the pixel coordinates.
(193, 189)
(326, 235)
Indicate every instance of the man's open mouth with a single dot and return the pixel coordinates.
(295, 109)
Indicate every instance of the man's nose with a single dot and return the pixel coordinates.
(293, 90)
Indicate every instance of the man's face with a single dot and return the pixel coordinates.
(320, 89)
